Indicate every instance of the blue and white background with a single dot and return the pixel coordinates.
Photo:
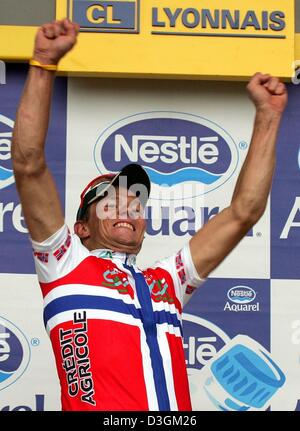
(180, 131)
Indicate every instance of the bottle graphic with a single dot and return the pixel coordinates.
(243, 376)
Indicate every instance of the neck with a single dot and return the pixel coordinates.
(93, 245)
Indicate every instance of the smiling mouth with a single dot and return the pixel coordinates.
(126, 225)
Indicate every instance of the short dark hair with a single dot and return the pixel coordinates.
(86, 215)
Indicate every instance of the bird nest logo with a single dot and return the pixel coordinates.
(184, 155)
(14, 353)
(6, 173)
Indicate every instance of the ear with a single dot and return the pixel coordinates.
(81, 229)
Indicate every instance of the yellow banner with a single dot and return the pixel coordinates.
(171, 38)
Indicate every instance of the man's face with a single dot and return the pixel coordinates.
(117, 222)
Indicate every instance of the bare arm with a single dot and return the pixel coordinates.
(35, 185)
(214, 241)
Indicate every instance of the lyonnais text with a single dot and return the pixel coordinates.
(218, 19)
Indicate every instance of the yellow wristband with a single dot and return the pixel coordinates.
(36, 63)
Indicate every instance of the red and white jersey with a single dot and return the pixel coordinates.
(115, 330)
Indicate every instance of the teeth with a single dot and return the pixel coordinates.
(127, 225)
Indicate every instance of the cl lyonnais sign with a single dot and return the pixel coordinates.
(125, 16)
(171, 38)
(183, 38)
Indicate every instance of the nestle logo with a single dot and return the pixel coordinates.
(106, 16)
(14, 353)
(202, 340)
(173, 148)
(241, 294)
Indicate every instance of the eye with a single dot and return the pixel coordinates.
(137, 211)
(110, 206)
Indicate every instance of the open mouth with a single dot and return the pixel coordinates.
(124, 224)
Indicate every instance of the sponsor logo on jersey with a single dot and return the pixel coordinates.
(76, 359)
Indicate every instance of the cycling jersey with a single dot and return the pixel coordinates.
(116, 331)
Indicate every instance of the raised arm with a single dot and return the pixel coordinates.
(35, 185)
(215, 240)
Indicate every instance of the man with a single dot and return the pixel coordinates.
(116, 330)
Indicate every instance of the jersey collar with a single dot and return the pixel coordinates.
(128, 259)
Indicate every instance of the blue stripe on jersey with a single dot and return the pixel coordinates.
(149, 324)
(169, 318)
(76, 302)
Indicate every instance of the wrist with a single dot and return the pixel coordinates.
(42, 66)
(43, 58)
(42, 61)
(267, 113)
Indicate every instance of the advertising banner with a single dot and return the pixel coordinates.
(241, 328)
(13, 231)
(27, 373)
(170, 38)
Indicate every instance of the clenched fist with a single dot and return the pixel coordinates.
(267, 93)
(54, 40)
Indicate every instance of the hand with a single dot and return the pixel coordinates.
(54, 40)
(267, 93)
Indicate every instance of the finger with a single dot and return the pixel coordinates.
(272, 84)
(280, 89)
(58, 29)
(59, 24)
(70, 28)
(48, 30)
(259, 79)
(77, 27)
(74, 24)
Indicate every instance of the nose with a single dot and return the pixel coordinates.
(123, 212)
